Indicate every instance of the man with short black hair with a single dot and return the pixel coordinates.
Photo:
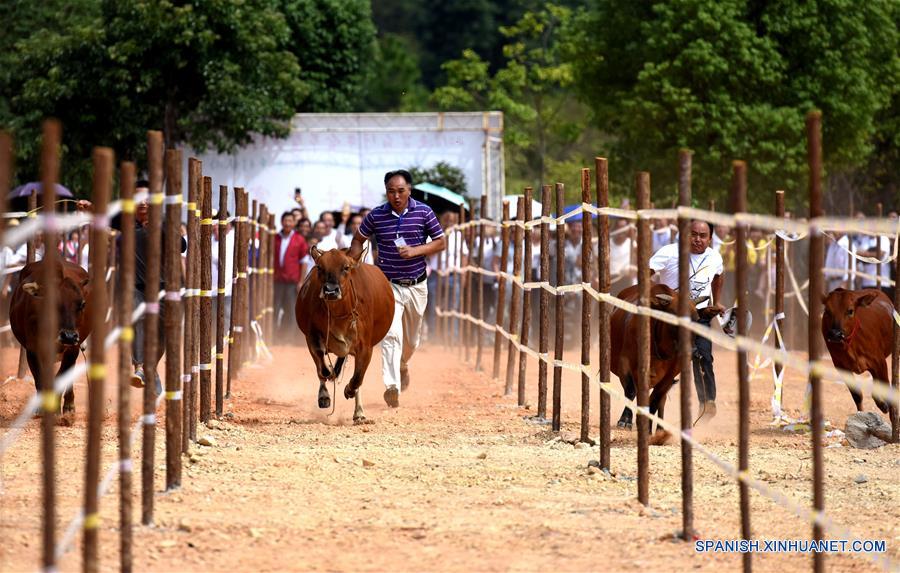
(401, 227)
(706, 274)
(290, 249)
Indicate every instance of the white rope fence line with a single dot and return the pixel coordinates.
(812, 517)
(820, 367)
(120, 466)
(781, 226)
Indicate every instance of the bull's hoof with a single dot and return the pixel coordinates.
(392, 397)
(624, 425)
(324, 402)
(68, 408)
(361, 421)
(659, 438)
(349, 392)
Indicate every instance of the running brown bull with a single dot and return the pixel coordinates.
(858, 329)
(26, 305)
(344, 307)
(664, 363)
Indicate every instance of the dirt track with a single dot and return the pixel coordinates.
(456, 479)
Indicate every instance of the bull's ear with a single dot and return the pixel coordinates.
(866, 299)
(33, 288)
(315, 253)
(356, 260)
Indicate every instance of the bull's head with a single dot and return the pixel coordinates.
(71, 304)
(333, 268)
(839, 318)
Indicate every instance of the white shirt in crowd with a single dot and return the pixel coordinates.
(619, 258)
(328, 242)
(661, 238)
(865, 243)
(703, 269)
(836, 262)
(452, 260)
(285, 243)
(229, 262)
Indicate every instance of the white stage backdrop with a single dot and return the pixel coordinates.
(335, 158)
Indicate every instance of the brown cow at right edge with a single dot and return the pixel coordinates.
(858, 331)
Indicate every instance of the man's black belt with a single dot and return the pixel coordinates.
(409, 282)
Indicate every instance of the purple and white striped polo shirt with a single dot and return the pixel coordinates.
(415, 224)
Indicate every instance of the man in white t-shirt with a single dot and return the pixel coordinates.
(706, 274)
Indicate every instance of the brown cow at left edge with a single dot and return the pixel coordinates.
(26, 305)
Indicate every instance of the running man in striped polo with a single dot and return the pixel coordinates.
(401, 227)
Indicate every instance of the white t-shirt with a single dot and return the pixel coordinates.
(863, 243)
(704, 268)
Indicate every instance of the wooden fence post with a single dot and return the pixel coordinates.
(195, 180)
(779, 294)
(103, 175)
(526, 297)
(559, 333)
(220, 299)
(816, 289)
(739, 205)
(685, 345)
(604, 286)
(206, 294)
(501, 287)
(512, 351)
(151, 320)
(479, 279)
(544, 334)
(48, 327)
(173, 315)
(586, 302)
(642, 182)
(124, 304)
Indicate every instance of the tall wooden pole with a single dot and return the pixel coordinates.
(602, 167)
(206, 294)
(559, 332)
(48, 327)
(460, 293)
(544, 344)
(124, 304)
(739, 205)
(151, 320)
(587, 222)
(103, 176)
(526, 298)
(194, 317)
(501, 287)
(479, 279)
(220, 300)
(685, 345)
(173, 315)
(779, 294)
(816, 289)
(195, 180)
(512, 352)
(467, 301)
(642, 182)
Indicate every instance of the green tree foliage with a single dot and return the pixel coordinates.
(334, 42)
(209, 74)
(443, 174)
(545, 127)
(395, 78)
(734, 79)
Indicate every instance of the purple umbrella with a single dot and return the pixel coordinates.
(25, 190)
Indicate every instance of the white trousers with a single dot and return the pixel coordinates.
(403, 337)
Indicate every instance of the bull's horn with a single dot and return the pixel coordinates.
(665, 297)
(32, 288)
(701, 300)
(315, 253)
